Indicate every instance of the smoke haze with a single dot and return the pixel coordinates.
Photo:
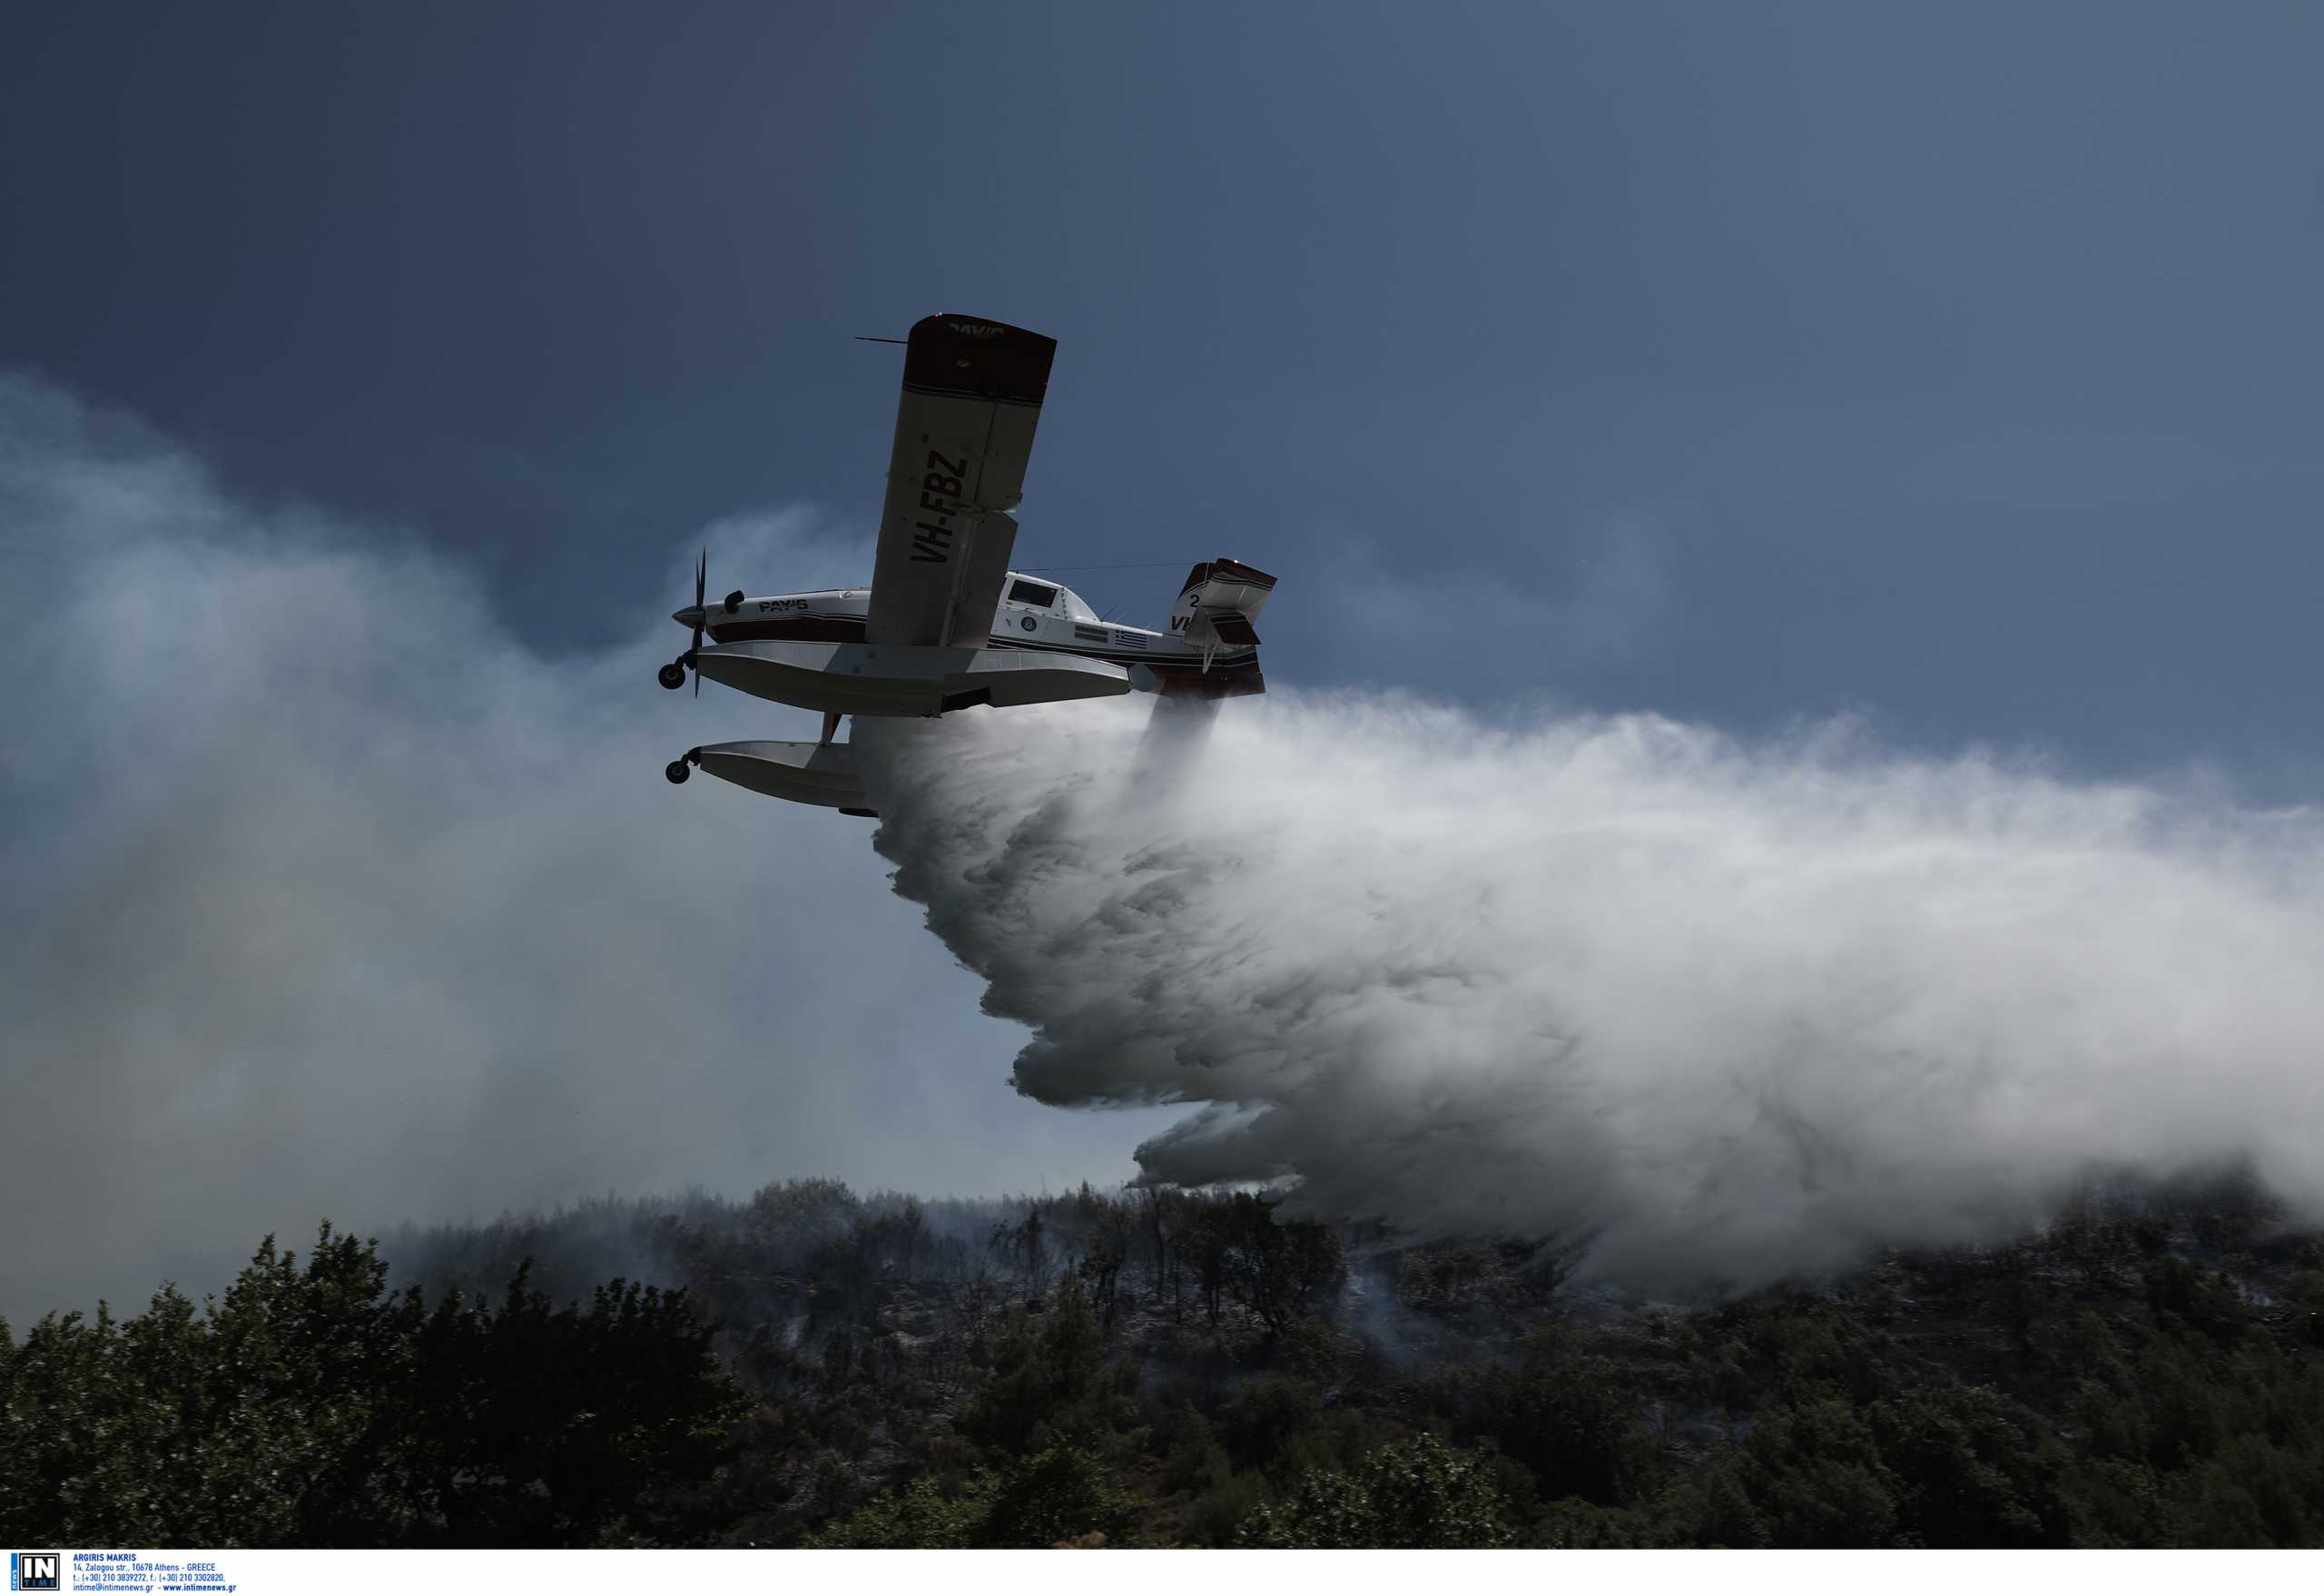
(1710, 1013)
(324, 897)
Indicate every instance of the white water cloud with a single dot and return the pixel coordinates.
(1719, 1013)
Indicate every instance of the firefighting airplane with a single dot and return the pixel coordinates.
(945, 624)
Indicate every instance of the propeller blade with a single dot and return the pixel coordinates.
(701, 584)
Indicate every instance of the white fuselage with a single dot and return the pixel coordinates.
(1033, 616)
(917, 639)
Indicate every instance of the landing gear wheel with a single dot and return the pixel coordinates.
(678, 770)
(671, 675)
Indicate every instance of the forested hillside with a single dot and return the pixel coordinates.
(813, 1368)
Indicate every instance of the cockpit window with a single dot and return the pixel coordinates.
(1032, 593)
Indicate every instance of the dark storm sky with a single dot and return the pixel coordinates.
(1955, 364)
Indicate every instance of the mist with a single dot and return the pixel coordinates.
(325, 897)
(1706, 1012)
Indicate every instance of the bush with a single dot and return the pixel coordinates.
(1812, 1476)
(1566, 1417)
(922, 1515)
(1050, 1381)
(1061, 1494)
(1265, 1417)
(1413, 1494)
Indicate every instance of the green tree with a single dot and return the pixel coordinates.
(1281, 1271)
(311, 1406)
(1058, 1494)
(231, 1428)
(1266, 1415)
(1049, 1381)
(1813, 1477)
(1564, 1413)
(1413, 1494)
(540, 1425)
(921, 1516)
(1968, 1474)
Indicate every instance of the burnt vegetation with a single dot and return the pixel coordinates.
(816, 1367)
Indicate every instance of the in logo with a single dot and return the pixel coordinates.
(35, 1570)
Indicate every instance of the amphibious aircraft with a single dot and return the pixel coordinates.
(944, 623)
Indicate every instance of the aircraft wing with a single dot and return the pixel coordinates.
(964, 432)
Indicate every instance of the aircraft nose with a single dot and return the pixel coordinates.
(689, 616)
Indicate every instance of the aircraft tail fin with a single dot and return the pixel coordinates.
(1217, 604)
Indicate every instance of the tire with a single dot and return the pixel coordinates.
(678, 770)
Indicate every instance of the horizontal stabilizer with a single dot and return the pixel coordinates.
(1232, 628)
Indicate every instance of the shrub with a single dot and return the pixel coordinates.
(1414, 1493)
